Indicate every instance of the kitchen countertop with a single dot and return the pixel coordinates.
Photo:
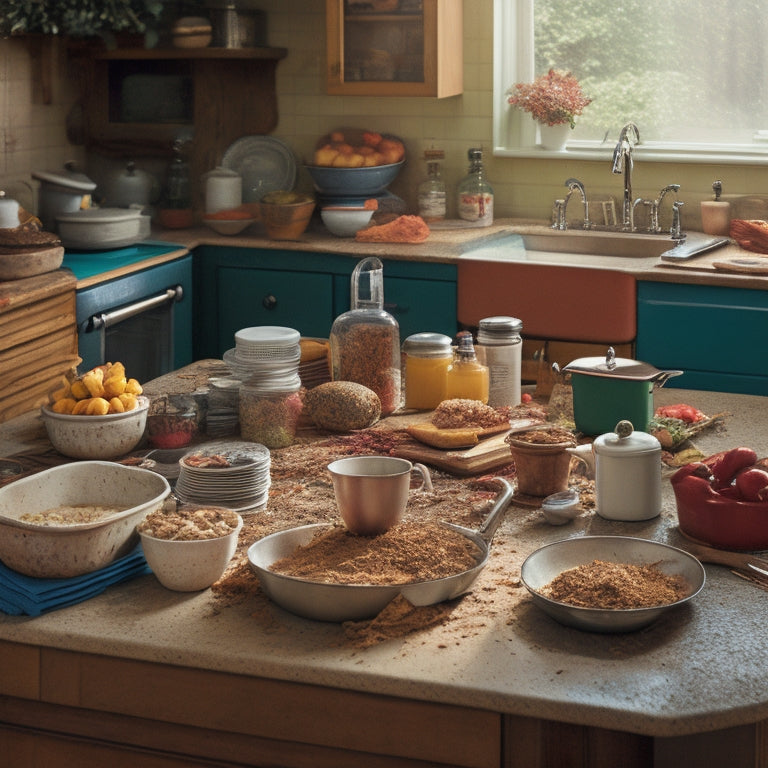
(449, 244)
(699, 668)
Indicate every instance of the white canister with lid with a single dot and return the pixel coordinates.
(223, 190)
(627, 468)
(500, 347)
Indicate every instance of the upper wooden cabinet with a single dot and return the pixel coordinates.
(395, 47)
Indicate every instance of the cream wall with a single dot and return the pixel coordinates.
(34, 134)
(35, 98)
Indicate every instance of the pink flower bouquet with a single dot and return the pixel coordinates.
(551, 99)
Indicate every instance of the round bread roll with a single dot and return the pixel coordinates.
(341, 406)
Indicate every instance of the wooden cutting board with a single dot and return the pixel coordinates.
(746, 265)
(490, 453)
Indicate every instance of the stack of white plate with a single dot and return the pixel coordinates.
(232, 474)
(265, 355)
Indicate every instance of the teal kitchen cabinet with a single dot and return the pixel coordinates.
(242, 287)
(715, 334)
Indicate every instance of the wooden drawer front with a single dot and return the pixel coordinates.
(305, 715)
(38, 344)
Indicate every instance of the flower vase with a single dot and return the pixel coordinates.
(554, 137)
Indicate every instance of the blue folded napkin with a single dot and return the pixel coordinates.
(32, 596)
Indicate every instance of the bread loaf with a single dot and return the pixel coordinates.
(341, 406)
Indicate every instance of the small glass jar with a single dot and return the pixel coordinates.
(270, 414)
(467, 378)
(173, 421)
(426, 359)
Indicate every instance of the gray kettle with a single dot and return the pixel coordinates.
(130, 187)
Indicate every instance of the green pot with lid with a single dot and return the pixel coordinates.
(610, 389)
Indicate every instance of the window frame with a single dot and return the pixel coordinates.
(514, 132)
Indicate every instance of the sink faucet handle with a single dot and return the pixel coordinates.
(558, 214)
(574, 185)
(676, 229)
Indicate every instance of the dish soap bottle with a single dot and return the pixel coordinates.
(431, 191)
(466, 377)
(716, 214)
(475, 194)
(365, 342)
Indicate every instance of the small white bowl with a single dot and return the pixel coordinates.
(345, 221)
(228, 226)
(189, 566)
(96, 437)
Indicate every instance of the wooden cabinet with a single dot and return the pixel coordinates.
(395, 47)
(242, 287)
(715, 334)
(137, 101)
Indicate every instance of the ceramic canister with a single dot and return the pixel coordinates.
(627, 474)
(223, 190)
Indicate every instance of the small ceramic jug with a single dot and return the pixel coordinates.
(627, 469)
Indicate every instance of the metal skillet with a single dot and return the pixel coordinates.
(350, 602)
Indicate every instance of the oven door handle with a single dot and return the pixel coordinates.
(108, 319)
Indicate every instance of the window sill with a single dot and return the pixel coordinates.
(645, 153)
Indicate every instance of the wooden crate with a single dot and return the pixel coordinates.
(38, 339)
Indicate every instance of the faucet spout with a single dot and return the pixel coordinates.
(574, 185)
(622, 163)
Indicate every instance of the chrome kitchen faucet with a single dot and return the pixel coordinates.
(622, 163)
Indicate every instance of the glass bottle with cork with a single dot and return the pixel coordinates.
(431, 191)
(467, 377)
(475, 194)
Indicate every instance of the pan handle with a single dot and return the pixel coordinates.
(488, 528)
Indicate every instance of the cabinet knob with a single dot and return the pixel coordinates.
(269, 302)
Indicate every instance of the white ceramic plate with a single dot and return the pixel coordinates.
(265, 164)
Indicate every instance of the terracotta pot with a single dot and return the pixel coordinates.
(541, 468)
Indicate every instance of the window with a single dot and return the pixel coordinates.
(693, 75)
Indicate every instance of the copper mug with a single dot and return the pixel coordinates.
(372, 491)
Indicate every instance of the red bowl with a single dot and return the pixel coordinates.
(724, 523)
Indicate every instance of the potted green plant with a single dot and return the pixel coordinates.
(553, 100)
(82, 18)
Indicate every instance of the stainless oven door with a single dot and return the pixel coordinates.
(143, 320)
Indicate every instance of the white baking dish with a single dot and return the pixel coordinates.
(61, 551)
(95, 229)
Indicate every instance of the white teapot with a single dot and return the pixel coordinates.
(627, 470)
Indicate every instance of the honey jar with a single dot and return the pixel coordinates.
(426, 359)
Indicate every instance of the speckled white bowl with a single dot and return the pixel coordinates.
(189, 566)
(62, 551)
(96, 437)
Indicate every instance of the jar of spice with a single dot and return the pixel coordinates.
(365, 342)
(426, 359)
(499, 346)
(269, 413)
(466, 378)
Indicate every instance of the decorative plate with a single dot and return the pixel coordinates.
(266, 165)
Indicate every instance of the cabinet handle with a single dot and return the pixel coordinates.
(269, 302)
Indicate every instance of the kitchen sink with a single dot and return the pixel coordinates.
(597, 242)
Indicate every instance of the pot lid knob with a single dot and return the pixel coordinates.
(610, 358)
(624, 428)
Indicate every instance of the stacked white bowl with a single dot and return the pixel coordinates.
(266, 356)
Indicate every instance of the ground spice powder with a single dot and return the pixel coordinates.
(601, 584)
(406, 553)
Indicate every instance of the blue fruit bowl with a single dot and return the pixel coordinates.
(353, 181)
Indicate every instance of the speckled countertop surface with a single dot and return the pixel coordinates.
(453, 242)
(700, 667)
